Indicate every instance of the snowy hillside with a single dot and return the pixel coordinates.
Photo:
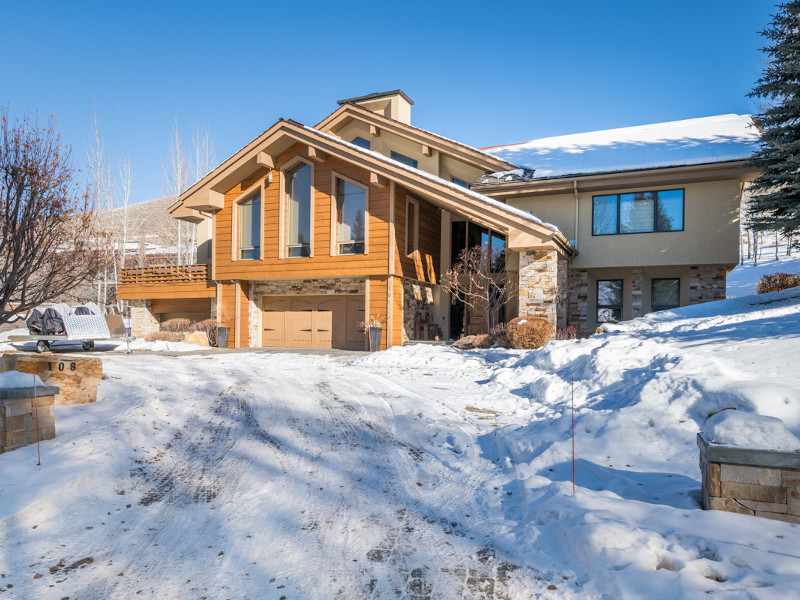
(421, 472)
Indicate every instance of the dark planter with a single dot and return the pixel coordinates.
(222, 337)
(375, 338)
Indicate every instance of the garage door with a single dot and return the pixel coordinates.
(313, 321)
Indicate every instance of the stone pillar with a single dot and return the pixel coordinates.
(542, 276)
(637, 279)
(707, 283)
(579, 298)
(20, 407)
(143, 322)
(76, 377)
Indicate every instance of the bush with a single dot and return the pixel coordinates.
(209, 327)
(777, 282)
(528, 332)
(161, 336)
(483, 340)
(176, 325)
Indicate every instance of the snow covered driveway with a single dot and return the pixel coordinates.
(417, 473)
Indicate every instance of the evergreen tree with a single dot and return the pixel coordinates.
(776, 192)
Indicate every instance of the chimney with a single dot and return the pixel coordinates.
(395, 104)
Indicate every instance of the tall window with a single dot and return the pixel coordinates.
(665, 294)
(402, 158)
(351, 209)
(250, 227)
(298, 210)
(609, 300)
(638, 212)
(466, 235)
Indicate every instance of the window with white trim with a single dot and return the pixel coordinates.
(298, 209)
(351, 217)
(250, 227)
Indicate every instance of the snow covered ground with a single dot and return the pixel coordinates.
(742, 280)
(421, 472)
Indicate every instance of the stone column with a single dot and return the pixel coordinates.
(579, 298)
(20, 408)
(143, 322)
(637, 308)
(542, 278)
(707, 283)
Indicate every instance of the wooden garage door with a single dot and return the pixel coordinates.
(313, 321)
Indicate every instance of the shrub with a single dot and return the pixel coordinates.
(161, 336)
(777, 282)
(483, 340)
(176, 325)
(570, 333)
(528, 332)
(209, 327)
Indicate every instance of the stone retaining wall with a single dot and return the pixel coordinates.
(18, 418)
(751, 482)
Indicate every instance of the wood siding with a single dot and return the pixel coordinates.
(321, 264)
(425, 265)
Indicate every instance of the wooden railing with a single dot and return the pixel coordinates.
(165, 274)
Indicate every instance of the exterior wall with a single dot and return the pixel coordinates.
(293, 287)
(578, 299)
(542, 282)
(707, 283)
(143, 322)
(425, 265)
(418, 299)
(710, 236)
(204, 241)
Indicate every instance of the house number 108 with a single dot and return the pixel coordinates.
(62, 366)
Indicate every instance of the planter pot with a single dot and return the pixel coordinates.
(375, 338)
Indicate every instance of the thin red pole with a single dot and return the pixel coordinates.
(36, 412)
(572, 380)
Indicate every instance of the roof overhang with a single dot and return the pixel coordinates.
(739, 170)
(207, 194)
(431, 141)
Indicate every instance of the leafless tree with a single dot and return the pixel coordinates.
(49, 242)
(177, 177)
(481, 281)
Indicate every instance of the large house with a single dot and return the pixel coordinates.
(307, 232)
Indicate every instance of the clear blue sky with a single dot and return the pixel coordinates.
(480, 72)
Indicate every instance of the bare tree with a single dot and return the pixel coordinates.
(49, 242)
(480, 280)
(177, 177)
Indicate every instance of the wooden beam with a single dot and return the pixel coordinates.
(317, 154)
(378, 180)
(374, 130)
(265, 160)
(427, 150)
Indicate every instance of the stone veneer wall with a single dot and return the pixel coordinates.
(143, 322)
(296, 287)
(417, 298)
(543, 286)
(637, 303)
(18, 416)
(578, 298)
(751, 482)
(707, 283)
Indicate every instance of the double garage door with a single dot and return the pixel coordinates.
(313, 321)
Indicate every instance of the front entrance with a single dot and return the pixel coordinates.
(313, 321)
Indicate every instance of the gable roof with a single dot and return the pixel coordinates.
(376, 96)
(705, 140)
(479, 158)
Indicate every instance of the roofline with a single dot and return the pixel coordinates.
(740, 169)
(376, 96)
(470, 205)
(478, 157)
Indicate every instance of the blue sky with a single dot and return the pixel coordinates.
(482, 73)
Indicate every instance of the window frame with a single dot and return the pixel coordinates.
(282, 216)
(394, 156)
(237, 201)
(598, 306)
(335, 217)
(653, 306)
(655, 212)
(461, 183)
(412, 249)
(358, 137)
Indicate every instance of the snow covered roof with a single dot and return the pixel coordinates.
(676, 143)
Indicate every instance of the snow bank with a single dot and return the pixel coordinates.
(16, 380)
(747, 430)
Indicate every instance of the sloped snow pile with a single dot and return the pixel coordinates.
(746, 430)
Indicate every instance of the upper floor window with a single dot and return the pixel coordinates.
(402, 158)
(359, 141)
(298, 210)
(609, 300)
(351, 214)
(463, 184)
(637, 212)
(665, 294)
(250, 227)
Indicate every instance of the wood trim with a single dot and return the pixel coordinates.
(237, 291)
(265, 160)
(282, 220)
(413, 230)
(334, 234)
(392, 231)
(389, 311)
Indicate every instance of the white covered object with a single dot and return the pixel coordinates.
(15, 380)
(748, 430)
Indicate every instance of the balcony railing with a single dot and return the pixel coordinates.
(166, 274)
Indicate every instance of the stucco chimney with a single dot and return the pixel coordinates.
(395, 104)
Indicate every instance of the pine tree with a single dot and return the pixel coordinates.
(776, 192)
